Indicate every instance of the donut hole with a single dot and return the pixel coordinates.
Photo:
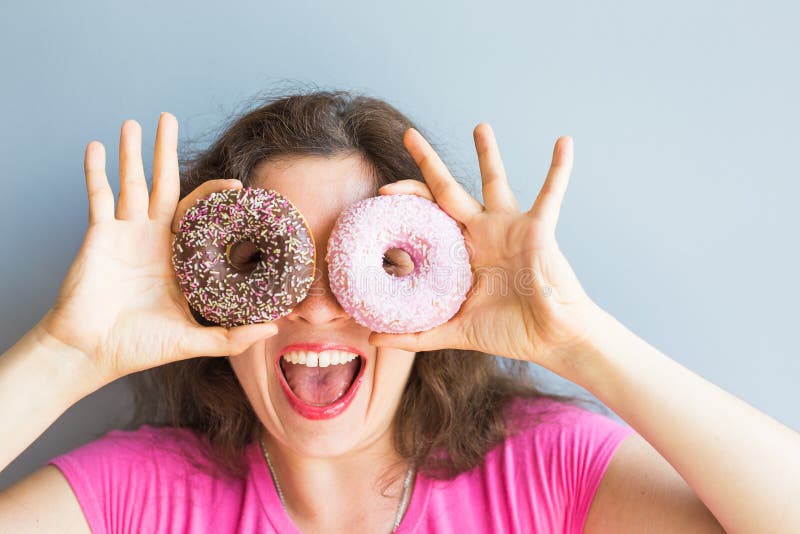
(397, 262)
(244, 255)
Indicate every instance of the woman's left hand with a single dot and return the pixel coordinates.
(525, 302)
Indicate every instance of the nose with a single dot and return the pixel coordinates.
(320, 305)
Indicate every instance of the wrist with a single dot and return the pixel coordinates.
(608, 358)
(40, 378)
(67, 360)
(577, 360)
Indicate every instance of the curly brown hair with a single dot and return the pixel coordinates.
(453, 409)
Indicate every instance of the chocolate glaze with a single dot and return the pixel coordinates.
(228, 290)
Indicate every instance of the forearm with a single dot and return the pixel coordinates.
(744, 465)
(40, 378)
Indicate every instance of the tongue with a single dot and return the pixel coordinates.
(320, 385)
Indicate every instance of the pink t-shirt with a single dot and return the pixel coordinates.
(542, 479)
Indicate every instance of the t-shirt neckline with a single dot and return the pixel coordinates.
(273, 509)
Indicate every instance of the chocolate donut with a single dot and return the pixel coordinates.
(243, 256)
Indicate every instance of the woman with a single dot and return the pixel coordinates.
(438, 438)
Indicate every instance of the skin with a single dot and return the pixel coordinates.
(343, 457)
(701, 460)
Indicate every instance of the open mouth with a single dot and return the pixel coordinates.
(320, 384)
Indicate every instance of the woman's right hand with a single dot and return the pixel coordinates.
(120, 303)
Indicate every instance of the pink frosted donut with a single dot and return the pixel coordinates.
(426, 297)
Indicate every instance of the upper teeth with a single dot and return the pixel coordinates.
(321, 359)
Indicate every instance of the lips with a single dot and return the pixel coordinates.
(321, 385)
(310, 411)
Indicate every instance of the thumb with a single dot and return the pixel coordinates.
(432, 339)
(221, 341)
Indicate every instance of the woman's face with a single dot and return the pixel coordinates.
(321, 188)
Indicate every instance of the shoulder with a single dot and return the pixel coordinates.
(562, 427)
(604, 475)
(540, 478)
(141, 448)
(113, 475)
(563, 451)
(640, 487)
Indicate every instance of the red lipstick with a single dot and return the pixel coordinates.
(320, 412)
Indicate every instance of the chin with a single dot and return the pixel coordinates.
(363, 413)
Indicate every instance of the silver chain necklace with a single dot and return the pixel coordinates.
(403, 499)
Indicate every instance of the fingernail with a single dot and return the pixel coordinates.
(387, 186)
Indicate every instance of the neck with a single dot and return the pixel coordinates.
(323, 493)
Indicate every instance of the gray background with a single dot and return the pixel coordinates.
(680, 214)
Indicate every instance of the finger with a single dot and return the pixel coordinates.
(101, 197)
(201, 191)
(407, 187)
(449, 194)
(497, 194)
(132, 185)
(221, 341)
(439, 337)
(548, 202)
(166, 180)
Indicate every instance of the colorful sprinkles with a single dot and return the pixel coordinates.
(428, 296)
(217, 289)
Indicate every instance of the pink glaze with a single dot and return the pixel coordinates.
(320, 412)
(428, 296)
